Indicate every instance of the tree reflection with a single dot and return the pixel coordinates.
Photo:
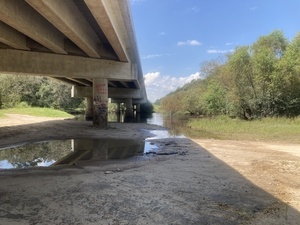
(35, 154)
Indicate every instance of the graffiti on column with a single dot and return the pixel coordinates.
(101, 89)
(101, 102)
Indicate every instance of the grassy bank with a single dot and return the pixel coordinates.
(42, 112)
(266, 129)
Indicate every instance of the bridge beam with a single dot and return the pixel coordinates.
(19, 15)
(12, 38)
(53, 65)
(67, 18)
(103, 14)
(82, 92)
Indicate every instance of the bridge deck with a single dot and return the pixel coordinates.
(71, 40)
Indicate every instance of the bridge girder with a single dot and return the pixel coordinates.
(75, 41)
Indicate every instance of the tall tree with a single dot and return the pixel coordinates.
(267, 53)
(289, 80)
(172, 103)
(244, 86)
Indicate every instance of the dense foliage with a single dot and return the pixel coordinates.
(261, 80)
(36, 91)
(146, 109)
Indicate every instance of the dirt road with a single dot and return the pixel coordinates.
(206, 182)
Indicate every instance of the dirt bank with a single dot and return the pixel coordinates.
(207, 182)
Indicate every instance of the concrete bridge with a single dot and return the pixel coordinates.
(87, 43)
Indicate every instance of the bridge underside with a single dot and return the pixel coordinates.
(89, 44)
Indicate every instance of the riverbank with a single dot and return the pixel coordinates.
(208, 182)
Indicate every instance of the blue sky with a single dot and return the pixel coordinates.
(175, 37)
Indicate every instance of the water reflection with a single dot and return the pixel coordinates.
(62, 152)
(102, 149)
(176, 125)
(34, 154)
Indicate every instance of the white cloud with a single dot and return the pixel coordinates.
(229, 43)
(150, 77)
(155, 56)
(151, 56)
(189, 42)
(158, 86)
(253, 8)
(218, 51)
(162, 33)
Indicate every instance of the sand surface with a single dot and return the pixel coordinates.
(206, 182)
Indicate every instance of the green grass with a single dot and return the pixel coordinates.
(2, 114)
(34, 111)
(266, 129)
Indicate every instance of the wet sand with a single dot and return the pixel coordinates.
(206, 182)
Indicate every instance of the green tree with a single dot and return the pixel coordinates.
(9, 91)
(172, 103)
(267, 53)
(243, 86)
(36, 91)
(288, 88)
(193, 101)
(215, 98)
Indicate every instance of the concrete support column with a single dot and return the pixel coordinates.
(89, 109)
(118, 108)
(129, 111)
(138, 108)
(100, 102)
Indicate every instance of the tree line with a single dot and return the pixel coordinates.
(260, 80)
(35, 91)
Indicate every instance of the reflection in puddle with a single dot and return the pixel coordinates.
(68, 152)
(150, 147)
(34, 154)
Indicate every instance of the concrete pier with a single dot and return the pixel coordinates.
(89, 109)
(129, 108)
(100, 102)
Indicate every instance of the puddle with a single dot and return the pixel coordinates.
(68, 152)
